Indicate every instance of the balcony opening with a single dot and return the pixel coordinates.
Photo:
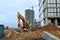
(53, 21)
(58, 20)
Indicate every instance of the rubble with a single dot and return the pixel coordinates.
(36, 33)
(13, 34)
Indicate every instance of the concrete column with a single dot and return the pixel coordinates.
(46, 20)
(49, 20)
(56, 22)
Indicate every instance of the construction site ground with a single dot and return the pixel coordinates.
(35, 33)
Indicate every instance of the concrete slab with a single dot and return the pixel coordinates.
(48, 36)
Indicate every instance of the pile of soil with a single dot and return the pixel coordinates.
(15, 35)
(12, 34)
(49, 28)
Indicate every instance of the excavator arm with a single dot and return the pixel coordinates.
(19, 16)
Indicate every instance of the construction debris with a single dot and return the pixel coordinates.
(14, 35)
(36, 33)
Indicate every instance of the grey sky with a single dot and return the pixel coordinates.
(9, 9)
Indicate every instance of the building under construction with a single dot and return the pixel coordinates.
(29, 15)
(49, 11)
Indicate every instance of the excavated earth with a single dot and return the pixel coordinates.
(49, 28)
(34, 34)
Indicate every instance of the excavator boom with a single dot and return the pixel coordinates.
(19, 16)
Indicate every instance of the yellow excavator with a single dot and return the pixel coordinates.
(19, 16)
(24, 26)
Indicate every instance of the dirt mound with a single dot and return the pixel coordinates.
(13, 34)
(48, 27)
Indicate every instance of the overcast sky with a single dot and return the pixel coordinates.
(9, 9)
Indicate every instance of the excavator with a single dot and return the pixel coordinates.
(19, 16)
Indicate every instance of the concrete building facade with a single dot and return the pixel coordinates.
(29, 15)
(49, 12)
